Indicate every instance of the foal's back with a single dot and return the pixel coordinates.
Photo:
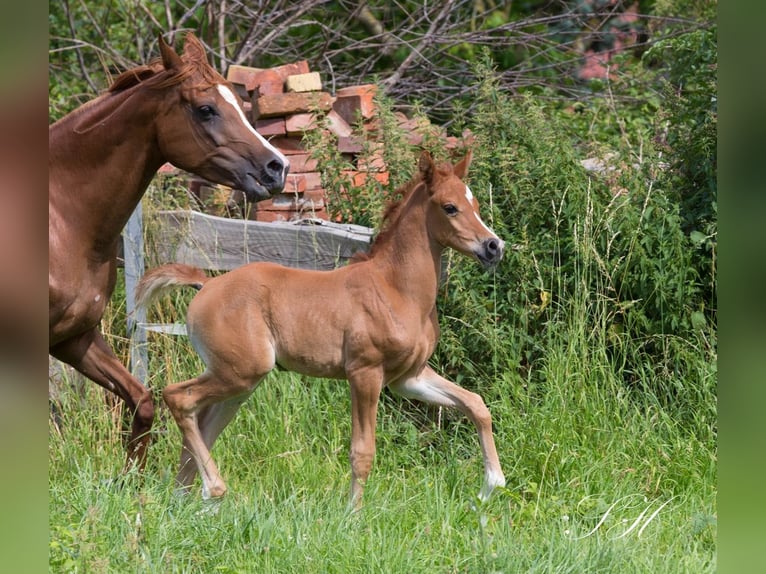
(310, 322)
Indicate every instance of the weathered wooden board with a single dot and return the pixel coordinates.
(220, 243)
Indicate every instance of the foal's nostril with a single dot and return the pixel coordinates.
(493, 249)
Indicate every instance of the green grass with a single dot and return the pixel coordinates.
(600, 479)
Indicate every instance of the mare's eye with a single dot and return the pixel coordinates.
(449, 209)
(206, 112)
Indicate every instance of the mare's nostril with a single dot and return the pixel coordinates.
(275, 168)
(492, 246)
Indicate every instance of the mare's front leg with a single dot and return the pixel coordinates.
(432, 388)
(90, 355)
(366, 385)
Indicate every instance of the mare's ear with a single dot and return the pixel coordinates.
(170, 60)
(461, 168)
(426, 166)
(194, 50)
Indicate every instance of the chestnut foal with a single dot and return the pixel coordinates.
(372, 322)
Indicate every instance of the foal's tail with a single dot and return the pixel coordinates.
(160, 279)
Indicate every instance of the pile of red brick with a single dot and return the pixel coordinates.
(281, 103)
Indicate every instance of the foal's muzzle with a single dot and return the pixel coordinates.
(491, 251)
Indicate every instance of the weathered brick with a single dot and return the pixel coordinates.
(361, 90)
(296, 183)
(270, 126)
(296, 124)
(290, 103)
(268, 89)
(337, 125)
(349, 144)
(351, 108)
(310, 82)
(287, 145)
(301, 163)
(252, 77)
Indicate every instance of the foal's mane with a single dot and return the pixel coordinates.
(390, 218)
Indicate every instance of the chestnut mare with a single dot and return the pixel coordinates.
(101, 159)
(372, 322)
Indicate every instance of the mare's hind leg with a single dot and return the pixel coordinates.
(428, 386)
(90, 355)
(211, 420)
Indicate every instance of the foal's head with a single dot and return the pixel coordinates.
(453, 212)
(202, 128)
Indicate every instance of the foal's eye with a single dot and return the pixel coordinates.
(206, 112)
(449, 209)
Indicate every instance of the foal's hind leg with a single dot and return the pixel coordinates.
(211, 420)
(89, 354)
(434, 389)
(187, 401)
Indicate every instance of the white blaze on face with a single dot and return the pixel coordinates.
(469, 197)
(229, 96)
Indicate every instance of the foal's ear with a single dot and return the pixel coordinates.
(194, 50)
(170, 60)
(426, 167)
(461, 168)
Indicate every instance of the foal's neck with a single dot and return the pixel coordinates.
(412, 259)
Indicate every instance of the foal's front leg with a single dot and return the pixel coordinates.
(432, 388)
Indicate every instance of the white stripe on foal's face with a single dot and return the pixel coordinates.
(229, 96)
(469, 197)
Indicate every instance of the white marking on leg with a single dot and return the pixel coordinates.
(229, 96)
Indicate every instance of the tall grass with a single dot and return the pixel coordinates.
(603, 408)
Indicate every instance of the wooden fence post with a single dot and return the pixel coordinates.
(133, 249)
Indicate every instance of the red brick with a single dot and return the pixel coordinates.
(350, 144)
(358, 178)
(290, 103)
(296, 124)
(287, 145)
(296, 183)
(337, 125)
(374, 162)
(301, 163)
(350, 108)
(252, 77)
(271, 127)
(313, 180)
(364, 89)
(268, 88)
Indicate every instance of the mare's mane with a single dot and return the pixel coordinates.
(155, 75)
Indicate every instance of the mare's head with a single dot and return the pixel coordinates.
(201, 126)
(453, 213)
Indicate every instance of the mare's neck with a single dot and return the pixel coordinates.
(101, 160)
